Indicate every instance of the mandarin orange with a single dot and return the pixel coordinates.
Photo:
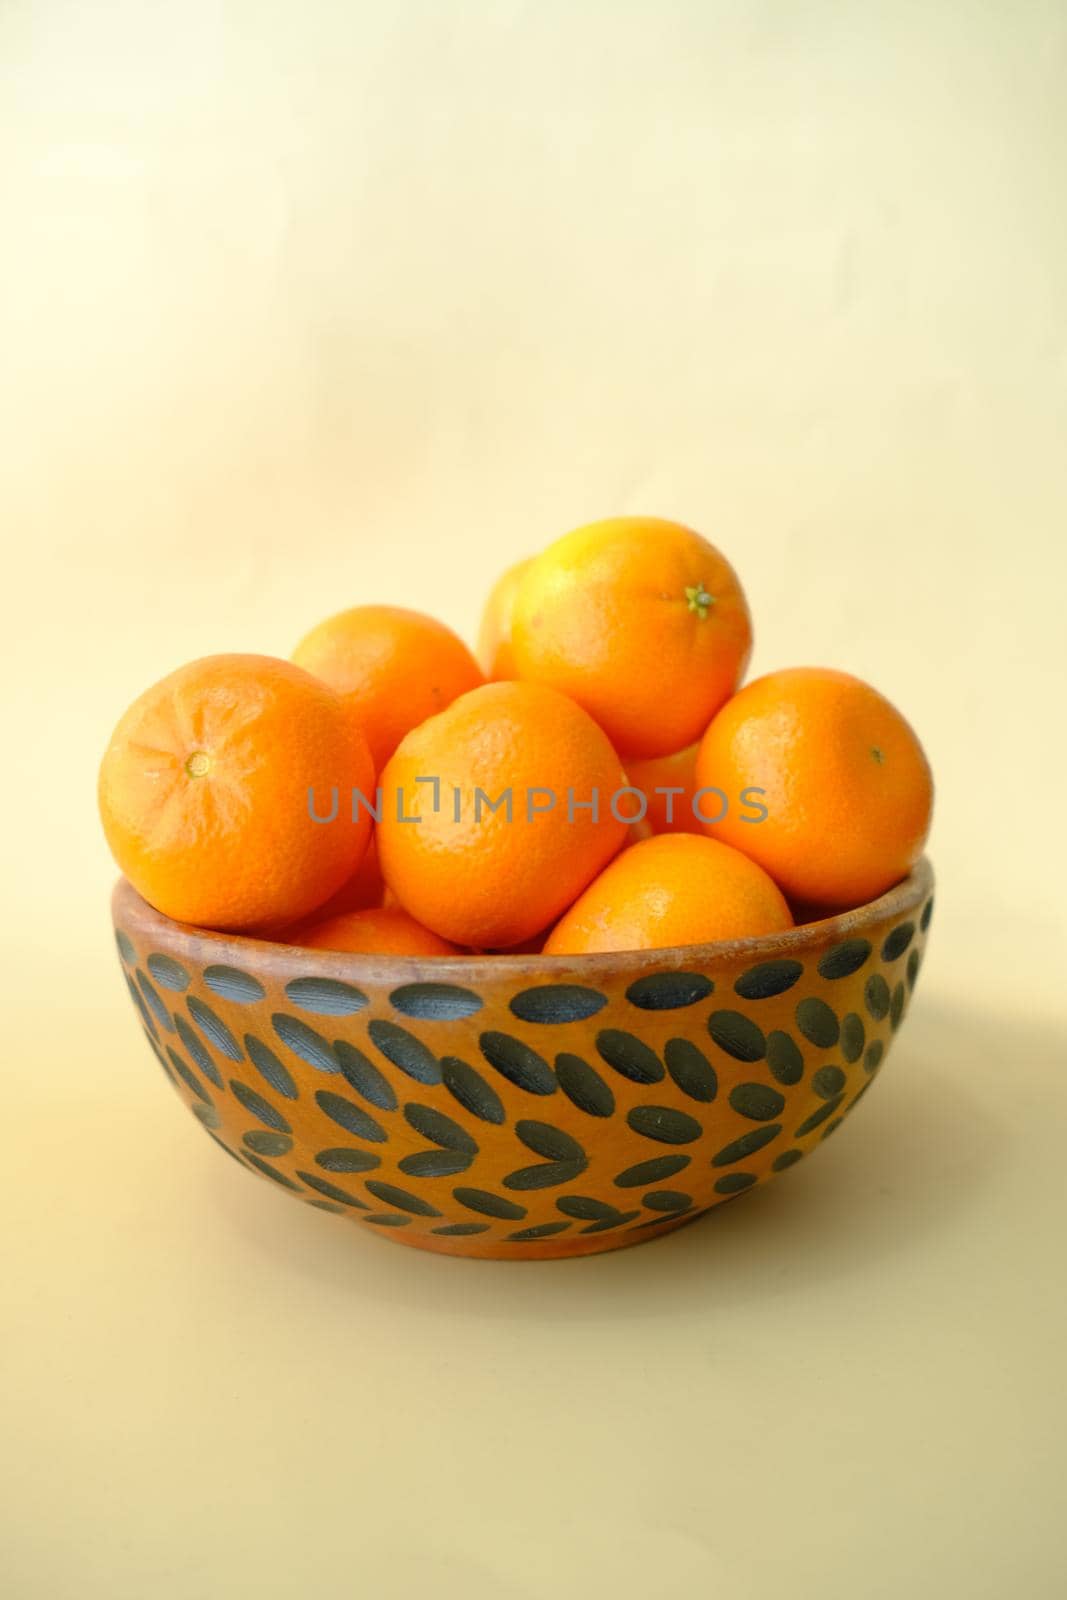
(671, 890)
(495, 877)
(207, 788)
(639, 620)
(397, 666)
(845, 782)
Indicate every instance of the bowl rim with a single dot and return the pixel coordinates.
(131, 912)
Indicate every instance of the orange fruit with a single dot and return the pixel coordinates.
(471, 873)
(671, 890)
(364, 890)
(494, 636)
(206, 793)
(844, 780)
(639, 620)
(399, 667)
(671, 811)
(386, 931)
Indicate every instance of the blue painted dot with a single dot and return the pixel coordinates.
(168, 973)
(325, 996)
(305, 1042)
(231, 984)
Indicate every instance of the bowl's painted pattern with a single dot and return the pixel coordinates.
(525, 1106)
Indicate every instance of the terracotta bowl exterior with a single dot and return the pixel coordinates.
(525, 1106)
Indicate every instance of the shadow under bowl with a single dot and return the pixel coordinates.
(525, 1106)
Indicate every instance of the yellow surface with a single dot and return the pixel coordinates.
(303, 306)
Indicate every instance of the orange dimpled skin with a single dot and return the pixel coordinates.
(204, 793)
(397, 666)
(671, 890)
(382, 931)
(639, 620)
(468, 872)
(494, 636)
(847, 787)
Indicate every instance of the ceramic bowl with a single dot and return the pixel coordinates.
(525, 1106)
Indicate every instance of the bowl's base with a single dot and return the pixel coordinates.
(556, 1248)
(723, 1065)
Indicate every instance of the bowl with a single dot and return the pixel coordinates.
(525, 1106)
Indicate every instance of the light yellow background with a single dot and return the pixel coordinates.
(308, 304)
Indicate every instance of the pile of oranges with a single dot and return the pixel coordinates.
(598, 782)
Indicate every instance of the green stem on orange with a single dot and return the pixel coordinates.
(699, 600)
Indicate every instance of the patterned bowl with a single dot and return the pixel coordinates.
(518, 1106)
